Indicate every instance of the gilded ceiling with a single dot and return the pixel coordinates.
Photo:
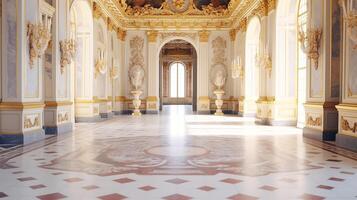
(180, 14)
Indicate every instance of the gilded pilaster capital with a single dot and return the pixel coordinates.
(243, 25)
(110, 24)
(152, 35)
(121, 34)
(203, 36)
(233, 34)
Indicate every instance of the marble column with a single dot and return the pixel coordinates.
(152, 100)
(234, 60)
(347, 109)
(203, 71)
(58, 110)
(21, 109)
(320, 112)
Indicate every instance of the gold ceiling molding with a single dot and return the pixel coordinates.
(152, 35)
(165, 35)
(167, 17)
(203, 36)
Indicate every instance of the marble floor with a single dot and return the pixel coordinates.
(177, 155)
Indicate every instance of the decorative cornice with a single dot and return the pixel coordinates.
(152, 36)
(243, 25)
(203, 36)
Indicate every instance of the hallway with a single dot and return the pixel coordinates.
(178, 156)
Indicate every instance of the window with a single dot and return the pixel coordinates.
(177, 80)
(302, 61)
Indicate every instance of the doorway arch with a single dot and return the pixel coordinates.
(81, 29)
(165, 61)
(252, 47)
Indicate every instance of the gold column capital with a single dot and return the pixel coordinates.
(152, 35)
(233, 34)
(121, 34)
(203, 35)
(243, 25)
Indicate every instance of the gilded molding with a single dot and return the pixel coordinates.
(165, 35)
(152, 98)
(57, 103)
(110, 25)
(152, 36)
(203, 36)
(20, 105)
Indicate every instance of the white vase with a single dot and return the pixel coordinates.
(136, 102)
(219, 102)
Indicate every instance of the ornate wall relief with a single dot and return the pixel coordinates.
(68, 51)
(136, 65)
(32, 121)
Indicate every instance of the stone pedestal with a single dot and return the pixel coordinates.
(136, 102)
(219, 102)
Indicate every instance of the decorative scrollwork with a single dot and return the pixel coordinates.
(345, 125)
(237, 68)
(264, 60)
(310, 43)
(39, 36)
(68, 52)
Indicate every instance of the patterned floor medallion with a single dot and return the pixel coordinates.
(195, 155)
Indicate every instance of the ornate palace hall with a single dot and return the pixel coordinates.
(178, 99)
(176, 156)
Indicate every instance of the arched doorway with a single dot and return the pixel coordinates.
(178, 74)
(289, 81)
(81, 29)
(252, 46)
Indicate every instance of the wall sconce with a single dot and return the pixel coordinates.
(310, 43)
(68, 52)
(100, 64)
(265, 60)
(351, 19)
(237, 68)
(39, 36)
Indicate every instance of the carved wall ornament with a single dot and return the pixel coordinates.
(243, 25)
(39, 36)
(345, 125)
(114, 72)
(310, 43)
(100, 65)
(314, 122)
(62, 117)
(97, 12)
(68, 52)
(31, 122)
(350, 18)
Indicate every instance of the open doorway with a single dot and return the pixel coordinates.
(178, 74)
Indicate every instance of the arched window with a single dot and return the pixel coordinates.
(302, 62)
(177, 80)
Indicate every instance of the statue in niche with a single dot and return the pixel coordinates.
(136, 75)
(218, 76)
